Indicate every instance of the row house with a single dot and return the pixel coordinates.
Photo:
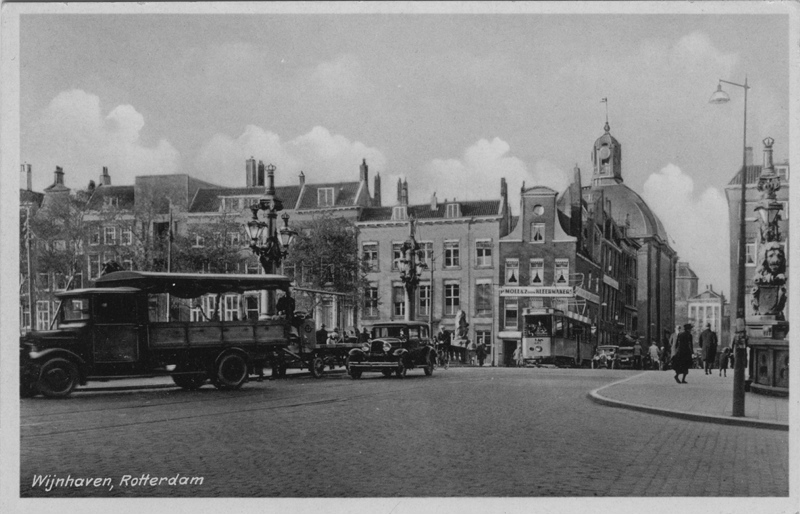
(460, 241)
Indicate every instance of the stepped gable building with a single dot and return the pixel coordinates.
(686, 282)
(460, 241)
(657, 260)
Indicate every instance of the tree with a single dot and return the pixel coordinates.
(325, 256)
(213, 246)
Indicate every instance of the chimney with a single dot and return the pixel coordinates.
(26, 169)
(260, 175)
(405, 193)
(250, 172)
(768, 166)
(302, 178)
(748, 155)
(105, 178)
(434, 202)
(364, 170)
(376, 198)
(59, 176)
(399, 191)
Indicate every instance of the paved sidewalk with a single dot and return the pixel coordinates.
(703, 398)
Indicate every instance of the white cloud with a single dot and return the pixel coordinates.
(476, 176)
(343, 75)
(699, 226)
(73, 133)
(321, 155)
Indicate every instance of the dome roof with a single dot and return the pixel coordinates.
(624, 201)
(606, 138)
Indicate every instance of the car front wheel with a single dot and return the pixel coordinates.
(57, 378)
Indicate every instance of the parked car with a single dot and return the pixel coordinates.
(625, 359)
(394, 347)
(605, 357)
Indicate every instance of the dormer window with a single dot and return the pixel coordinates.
(400, 213)
(110, 201)
(325, 197)
(453, 210)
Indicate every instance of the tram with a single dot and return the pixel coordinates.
(552, 336)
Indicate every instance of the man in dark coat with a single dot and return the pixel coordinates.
(682, 360)
(322, 335)
(708, 344)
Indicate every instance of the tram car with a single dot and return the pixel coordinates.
(560, 338)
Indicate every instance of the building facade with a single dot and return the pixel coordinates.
(709, 307)
(686, 283)
(460, 244)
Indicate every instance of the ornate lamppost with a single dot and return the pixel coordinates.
(266, 241)
(411, 267)
(740, 350)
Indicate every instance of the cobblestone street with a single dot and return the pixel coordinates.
(468, 432)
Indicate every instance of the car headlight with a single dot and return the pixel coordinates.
(387, 346)
(538, 348)
(365, 347)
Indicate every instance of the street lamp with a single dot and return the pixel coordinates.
(266, 241)
(740, 352)
(411, 265)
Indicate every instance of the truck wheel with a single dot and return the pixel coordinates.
(231, 372)
(317, 367)
(189, 382)
(386, 372)
(430, 364)
(57, 378)
(355, 373)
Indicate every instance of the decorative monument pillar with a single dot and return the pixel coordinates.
(767, 328)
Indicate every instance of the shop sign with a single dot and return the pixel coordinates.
(549, 291)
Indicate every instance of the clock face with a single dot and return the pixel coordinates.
(538, 210)
(605, 152)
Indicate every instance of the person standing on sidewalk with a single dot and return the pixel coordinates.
(654, 360)
(684, 354)
(708, 345)
(723, 361)
(518, 355)
(481, 352)
(671, 348)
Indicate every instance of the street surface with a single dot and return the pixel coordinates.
(499, 432)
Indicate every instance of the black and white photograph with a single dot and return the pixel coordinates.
(398, 257)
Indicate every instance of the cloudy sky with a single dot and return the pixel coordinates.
(449, 101)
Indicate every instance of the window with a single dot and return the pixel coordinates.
(251, 306)
(452, 298)
(512, 272)
(44, 280)
(483, 298)
(125, 237)
(484, 337)
(60, 245)
(236, 238)
(398, 300)
(371, 302)
(230, 310)
(370, 253)
(537, 272)
(400, 213)
(325, 197)
(199, 241)
(511, 313)
(750, 254)
(94, 266)
(483, 256)
(59, 281)
(424, 299)
(783, 172)
(562, 272)
(203, 308)
(109, 235)
(453, 210)
(94, 237)
(397, 254)
(427, 252)
(25, 321)
(451, 254)
(42, 315)
(537, 232)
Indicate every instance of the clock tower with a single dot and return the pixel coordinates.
(606, 160)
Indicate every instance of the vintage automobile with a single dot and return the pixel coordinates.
(394, 347)
(625, 358)
(605, 357)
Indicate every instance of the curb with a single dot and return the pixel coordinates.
(596, 397)
(92, 389)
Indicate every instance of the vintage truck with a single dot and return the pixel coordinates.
(134, 324)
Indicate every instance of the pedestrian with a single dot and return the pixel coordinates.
(322, 335)
(286, 305)
(671, 348)
(472, 350)
(654, 355)
(333, 337)
(723, 361)
(481, 353)
(684, 353)
(708, 345)
(637, 355)
(363, 336)
(518, 355)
